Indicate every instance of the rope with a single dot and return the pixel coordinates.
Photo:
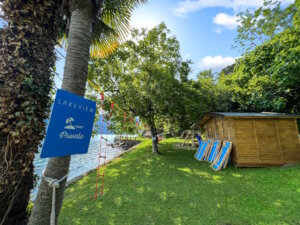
(124, 120)
(107, 98)
(94, 85)
(101, 137)
(100, 145)
(108, 122)
(54, 183)
(97, 89)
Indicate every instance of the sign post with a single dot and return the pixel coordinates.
(70, 127)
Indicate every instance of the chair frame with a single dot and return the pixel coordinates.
(207, 148)
(223, 163)
(217, 150)
(199, 149)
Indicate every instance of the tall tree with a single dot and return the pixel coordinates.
(143, 76)
(296, 21)
(27, 56)
(261, 25)
(267, 79)
(95, 25)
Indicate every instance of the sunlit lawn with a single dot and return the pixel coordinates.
(174, 188)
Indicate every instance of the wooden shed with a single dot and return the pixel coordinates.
(259, 139)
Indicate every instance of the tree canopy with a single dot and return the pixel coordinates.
(254, 28)
(148, 78)
(267, 79)
(143, 77)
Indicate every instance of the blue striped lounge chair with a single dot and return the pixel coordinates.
(226, 163)
(223, 156)
(199, 149)
(204, 150)
(214, 151)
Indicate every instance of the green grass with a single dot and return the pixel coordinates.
(175, 188)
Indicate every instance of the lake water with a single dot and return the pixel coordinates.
(80, 163)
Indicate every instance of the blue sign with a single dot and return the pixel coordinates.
(70, 127)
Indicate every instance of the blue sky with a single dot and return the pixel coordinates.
(203, 41)
(205, 29)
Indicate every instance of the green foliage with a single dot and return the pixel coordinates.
(261, 25)
(143, 77)
(210, 95)
(267, 79)
(29, 208)
(111, 24)
(177, 189)
(27, 58)
(297, 14)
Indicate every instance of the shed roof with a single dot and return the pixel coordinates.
(207, 116)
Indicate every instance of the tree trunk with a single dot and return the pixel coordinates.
(153, 132)
(75, 77)
(27, 57)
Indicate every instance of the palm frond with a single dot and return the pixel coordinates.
(104, 40)
(112, 25)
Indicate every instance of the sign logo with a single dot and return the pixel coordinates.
(70, 126)
(69, 123)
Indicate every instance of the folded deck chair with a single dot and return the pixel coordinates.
(223, 156)
(214, 151)
(199, 149)
(226, 162)
(204, 150)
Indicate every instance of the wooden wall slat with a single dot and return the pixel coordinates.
(248, 159)
(291, 158)
(264, 123)
(285, 123)
(291, 146)
(243, 123)
(289, 134)
(245, 133)
(266, 146)
(270, 157)
(258, 141)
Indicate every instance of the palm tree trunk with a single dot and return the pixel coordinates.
(75, 77)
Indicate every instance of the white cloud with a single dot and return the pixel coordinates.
(185, 7)
(225, 20)
(139, 21)
(215, 62)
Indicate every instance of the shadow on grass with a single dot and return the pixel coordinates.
(175, 188)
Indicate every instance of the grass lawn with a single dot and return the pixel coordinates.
(175, 188)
